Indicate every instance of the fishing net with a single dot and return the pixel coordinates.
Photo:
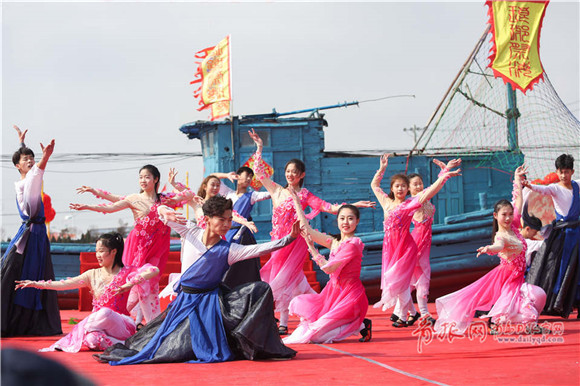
(473, 119)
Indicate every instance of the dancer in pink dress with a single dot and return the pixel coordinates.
(503, 290)
(284, 270)
(148, 242)
(109, 323)
(340, 309)
(399, 248)
(422, 234)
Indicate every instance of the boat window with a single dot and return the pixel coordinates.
(208, 144)
(246, 141)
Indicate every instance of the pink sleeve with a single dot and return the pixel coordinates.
(317, 205)
(83, 280)
(348, 251)
(517, 214)
(135, 276)
(176, 200)
(410, 206)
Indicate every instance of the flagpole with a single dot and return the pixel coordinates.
(186, 205)
(230, 75)
(231, 100)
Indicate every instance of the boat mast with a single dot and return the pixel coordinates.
(512, 115)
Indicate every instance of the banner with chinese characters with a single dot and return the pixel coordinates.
(214, 74)
(515, 52)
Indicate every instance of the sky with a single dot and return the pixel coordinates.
(104, 78)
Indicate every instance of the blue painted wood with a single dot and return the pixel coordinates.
(340, 177)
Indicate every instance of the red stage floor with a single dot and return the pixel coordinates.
(392, 357)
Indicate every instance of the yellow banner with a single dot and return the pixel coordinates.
(515, 27)
(214, 74)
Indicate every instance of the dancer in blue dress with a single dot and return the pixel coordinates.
(30, 311)
(245, 271)
(206, 323)
(556, 267)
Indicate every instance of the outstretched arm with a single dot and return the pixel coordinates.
(432, 190)
(46, 153)
(383, 199)
(493, 249)
(60, 285)
(232, 176)
(244, 221)
(452, 164)
(519, 177)
(243, 252)
(103, 208)
(319, 237)
(99, 193)
(259, 168)
(21, 135)
(144, 273)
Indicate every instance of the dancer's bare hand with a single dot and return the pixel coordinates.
(256, 138)
(78, 206)
(252, 227)
(24, 284)
(86, 189)
(122, 289)
(482, 250)
(47, 151)
(365, 204)
(295, 230)
(21, 135)
(171, 177)
(384, 160)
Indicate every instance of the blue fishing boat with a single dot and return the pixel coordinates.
(479, 119)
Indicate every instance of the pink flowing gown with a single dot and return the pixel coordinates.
(284, 271)
(338, 311)
(148, 243)
(502, 290)
(422, 234)
(109, 322)
(399, 254)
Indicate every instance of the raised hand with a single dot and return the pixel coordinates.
(439, 163)
(232, 176)
(21, 135)
(48, 149)
(384, 161)
(172, 175)
(454, 173)
(256, 138)
(520, 173)
(452, 164)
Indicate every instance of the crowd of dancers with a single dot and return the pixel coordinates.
(223, 302)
